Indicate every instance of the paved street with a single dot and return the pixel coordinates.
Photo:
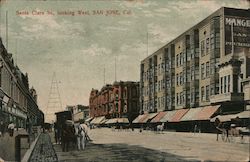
(148, 146)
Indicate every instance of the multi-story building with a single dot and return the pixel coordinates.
(120, 100)
(205, 65)
(18, 102)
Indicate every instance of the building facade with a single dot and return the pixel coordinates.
(205, 65)
(120, 100)
(18, 103)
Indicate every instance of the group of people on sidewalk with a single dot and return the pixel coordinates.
(10, 128)
(72, 133)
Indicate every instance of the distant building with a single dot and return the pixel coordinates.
(120, 100)
(79, 112)
(201, 67)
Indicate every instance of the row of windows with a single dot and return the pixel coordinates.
(11, 88)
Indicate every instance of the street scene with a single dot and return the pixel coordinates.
(121, 81)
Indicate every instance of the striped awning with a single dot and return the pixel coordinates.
(89, 119)
(158, 117)
(191, 114)
(178, 115)
(168, 116)
(98, 120)
(207, 112)
(138, 118)
(148, 117)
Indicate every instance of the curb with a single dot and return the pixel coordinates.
(30, 150)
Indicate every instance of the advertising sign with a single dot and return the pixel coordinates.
(241, 34)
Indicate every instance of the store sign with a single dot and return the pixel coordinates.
(237, 22)
(240, 27)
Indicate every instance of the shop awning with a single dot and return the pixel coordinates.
(158, 117)
(111, 121)
(148, 117)
(178, 115)
(117, 120)
(224, 118)
(89, 119)
(207, 112)
(168, 116)
(191, 114)
(138, 118)
(123, 120)
(98, 120)
(244, 114)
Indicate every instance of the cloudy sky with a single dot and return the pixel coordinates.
(77, 48)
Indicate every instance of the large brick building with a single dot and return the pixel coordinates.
(120, 100)
(201, 67)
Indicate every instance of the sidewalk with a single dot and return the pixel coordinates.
(7, 145)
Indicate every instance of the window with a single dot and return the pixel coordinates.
(207, 45)
(181, 78)
(202, 48)
(177, 60)
(225, 84)
(181, 59)
(202, 94)
(192, 73)
(228, 84)
(177, 98)
(192, 95)
(221, 85)
(207, 69)
(177, 79)
(207, 93)
(202, 71)
(212, 89)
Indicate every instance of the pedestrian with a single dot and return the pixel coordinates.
(2, 128)
(81, 136)
(11, 128)
(217, 125)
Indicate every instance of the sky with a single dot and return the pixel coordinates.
(45, 38)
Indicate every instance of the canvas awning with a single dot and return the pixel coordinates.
(207, 112)
(178, 115)
(158, 117)
(148, 117)
(98, 120)
(138, 118)
(117, 120)
(168, 116)
(191, 114)
(224, 118)
(244, 114)
(111, 121)
(89, 119)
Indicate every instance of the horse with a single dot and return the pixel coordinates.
(160, 128)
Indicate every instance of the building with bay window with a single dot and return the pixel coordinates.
(209, 64)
